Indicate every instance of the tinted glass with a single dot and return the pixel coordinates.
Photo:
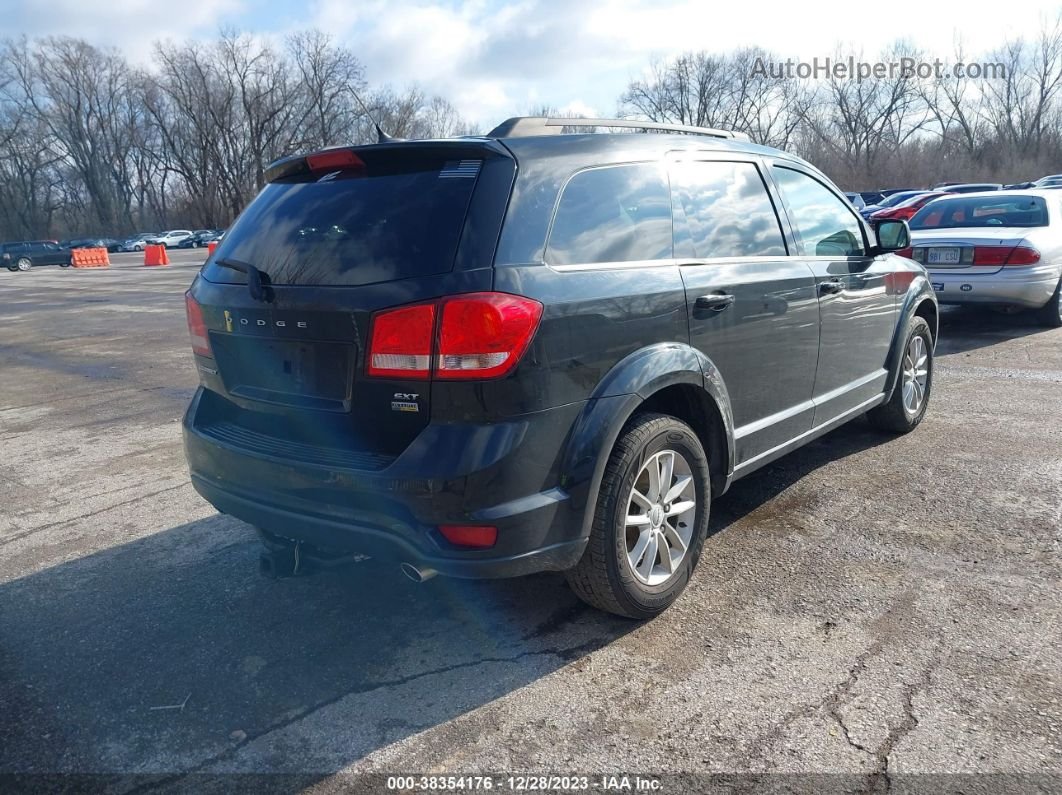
(980, 211)
(727, 208)
(614, 214)
(825, 222)
(353, 228)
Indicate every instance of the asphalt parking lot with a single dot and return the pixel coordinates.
(866, 606)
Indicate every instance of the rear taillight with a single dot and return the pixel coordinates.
(998, 256)
(990, 255)
(483, 335)
(1023, 255)
(400, 342)
(197, 326)
(479, 336)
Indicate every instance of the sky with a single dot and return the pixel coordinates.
(496, 59)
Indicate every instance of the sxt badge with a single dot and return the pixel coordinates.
(405, 401)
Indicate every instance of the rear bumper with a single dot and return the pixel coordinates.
(502, 474)
(1029, 287)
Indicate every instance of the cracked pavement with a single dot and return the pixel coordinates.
(867, 606)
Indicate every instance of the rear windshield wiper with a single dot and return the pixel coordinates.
(255, 281)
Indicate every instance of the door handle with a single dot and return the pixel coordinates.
(717, 302)
(831, 287)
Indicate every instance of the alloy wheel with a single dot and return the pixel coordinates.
(661, 512)
(915, 374)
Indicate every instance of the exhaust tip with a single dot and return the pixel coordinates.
(417, 575)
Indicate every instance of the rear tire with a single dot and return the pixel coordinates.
(1051, 313)
(906, 408)
(23, 264)
(612, 575)
(64, 264)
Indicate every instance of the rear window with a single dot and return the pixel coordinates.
(613, 214)
(981, 211)
(353, 227)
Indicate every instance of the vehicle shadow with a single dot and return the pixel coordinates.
(172, 654)
(968, 328)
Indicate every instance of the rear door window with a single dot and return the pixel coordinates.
(388, 221)
(727, 209)
(613, 214)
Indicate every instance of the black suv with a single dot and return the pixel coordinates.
(23, 255)
(536, 350)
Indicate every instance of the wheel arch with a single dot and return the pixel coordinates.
(919, 301)
(670, 378)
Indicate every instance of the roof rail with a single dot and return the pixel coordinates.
(524, 126)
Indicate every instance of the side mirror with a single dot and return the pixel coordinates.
(892, 235)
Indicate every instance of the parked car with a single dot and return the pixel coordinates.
(1002, 248)
(138, 241)
(25, 254)
(892, 191)
(171, 238)
(108, 243)
(871, 196)
(856, 200)
(199, 238)
(554, 372)
(974, 187)
(891, 200)
(1019, 186)
(1049, 181)
(908, 207)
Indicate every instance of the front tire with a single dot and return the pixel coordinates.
(650, 521)
(907, 406)
(1051, 312)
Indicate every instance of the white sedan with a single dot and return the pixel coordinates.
(1001, 247)
(172, 238)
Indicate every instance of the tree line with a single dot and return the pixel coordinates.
(91, 143)
(908, 128)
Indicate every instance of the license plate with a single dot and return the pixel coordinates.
(949, 255)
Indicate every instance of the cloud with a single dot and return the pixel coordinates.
(130, 25)
(493, 59)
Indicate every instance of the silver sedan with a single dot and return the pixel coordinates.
(1001, 247)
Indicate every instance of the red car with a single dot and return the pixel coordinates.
(907, 208)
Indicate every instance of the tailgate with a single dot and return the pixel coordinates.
(408, 224)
